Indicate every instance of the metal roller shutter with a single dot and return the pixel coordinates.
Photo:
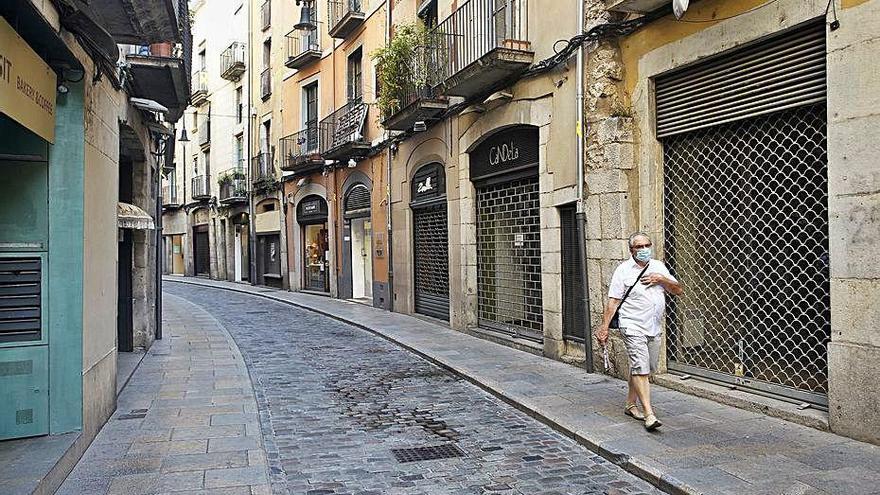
(783, 72)
(431, 251)
(357, 201)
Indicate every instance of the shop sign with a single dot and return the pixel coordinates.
(312, 208)
(428, 182)
(27, 85)
(506, 151)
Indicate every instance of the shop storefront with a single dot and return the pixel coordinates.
(430, 241)
(504, 171)
(746, 215)
(311, 214)
(357, 242)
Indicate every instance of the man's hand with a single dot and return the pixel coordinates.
(653, 279)
(602, 334)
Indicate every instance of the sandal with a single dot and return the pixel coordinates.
(652, 423)
(632, 411)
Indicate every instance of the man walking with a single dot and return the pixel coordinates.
(641, 283)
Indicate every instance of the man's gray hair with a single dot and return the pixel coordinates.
(637, 234)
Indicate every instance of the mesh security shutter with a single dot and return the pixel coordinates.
(20, 299)
(357, 201)
(509, 295)
(746, 220)
(431, 251)
(783, 72)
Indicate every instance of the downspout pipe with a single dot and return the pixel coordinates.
(252, 230)
(388, 242)
(581, 216)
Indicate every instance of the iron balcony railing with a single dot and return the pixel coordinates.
(300, 43)
(262, 167)
(233, 185)
(169, 195)
(418, 78)
(338, 9)
(200, 84)
(297, 146)
(345, 125)
(201, 189)
(266, 14)
(266, 83)
(232, 60)
(477, 28)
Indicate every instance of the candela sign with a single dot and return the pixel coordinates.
(502, 153)
(27, 85)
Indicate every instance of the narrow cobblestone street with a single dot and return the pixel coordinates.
(340, 411)
(336, 403)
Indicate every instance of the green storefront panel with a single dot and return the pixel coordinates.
(24, 380)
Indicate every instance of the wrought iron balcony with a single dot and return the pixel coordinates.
(200, 88)
(169, 197)
(300, 152)
(201, 188)
(233, 186)
(345, 17)
(416, 100)
(341, 133)
(266, 83)
(266, 14)
(303, 48)
(263, 176)
(232, 61)
(481, 44)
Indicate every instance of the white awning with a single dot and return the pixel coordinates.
(150, 105)
(131, 217)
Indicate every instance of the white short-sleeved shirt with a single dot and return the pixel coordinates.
(642, 312)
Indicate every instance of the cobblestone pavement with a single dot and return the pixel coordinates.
(344, 411)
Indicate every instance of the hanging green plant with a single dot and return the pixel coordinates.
(401, 66)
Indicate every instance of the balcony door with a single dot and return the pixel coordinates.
(310, 115)
(355, 76)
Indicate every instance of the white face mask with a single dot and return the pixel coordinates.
(643, 254)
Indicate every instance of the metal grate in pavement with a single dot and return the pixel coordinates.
(416, 454)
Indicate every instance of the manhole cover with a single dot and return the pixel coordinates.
(445, 451)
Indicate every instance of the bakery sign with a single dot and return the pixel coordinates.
(27, 85)
(507, 151)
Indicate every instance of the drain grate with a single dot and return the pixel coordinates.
(416, 454)
(134, 414)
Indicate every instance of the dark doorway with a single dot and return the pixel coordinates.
(201, 249)
(269, 260)
(574, 321)
(124, 312)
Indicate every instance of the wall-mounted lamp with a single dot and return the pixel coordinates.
(183, 137)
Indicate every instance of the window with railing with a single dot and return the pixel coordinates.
(266, 14)
(200, 82)
(339, 9)
(232, 60)
(300, 43)
(477, 28)
(169, 194)
(262, 167)
(233, 184)
(204, 128)
(200, 187)
(300, 145)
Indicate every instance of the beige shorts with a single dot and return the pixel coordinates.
(644, 353)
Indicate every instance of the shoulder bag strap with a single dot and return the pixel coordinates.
(626, 294)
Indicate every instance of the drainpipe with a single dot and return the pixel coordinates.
(252, 230)
(581, 216)
(160, 259)
(388, 243)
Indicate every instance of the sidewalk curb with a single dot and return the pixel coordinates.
(635, 466)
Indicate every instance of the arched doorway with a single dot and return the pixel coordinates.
(430, 242)
(359, 241)
(311, 214)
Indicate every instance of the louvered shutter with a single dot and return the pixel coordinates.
(783, 72)
(20, 316)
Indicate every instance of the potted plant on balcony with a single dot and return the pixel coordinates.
(401, 66)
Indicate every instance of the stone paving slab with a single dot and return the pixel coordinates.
(181, 423)
(704, 446)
